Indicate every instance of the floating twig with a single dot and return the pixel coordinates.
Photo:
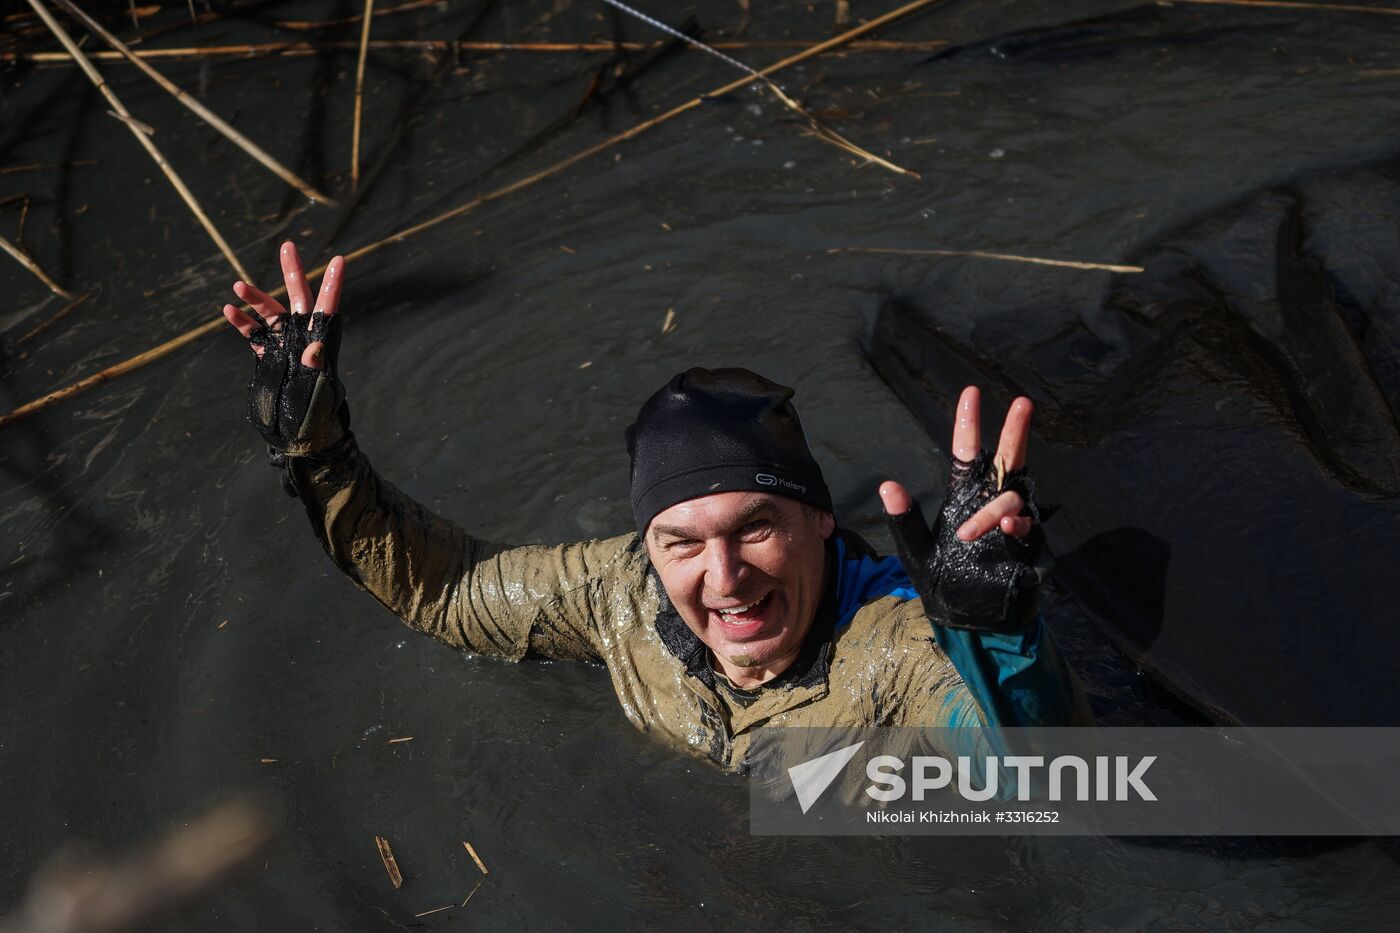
(669, 324)
(402, 738)
(815, 127)
(93, 75)
(476, 858)
(391, 864)
(63, 312)
(1294, 5)
(473, 891)
(36, 166)
(218, 323)
(304, 49)
(23, 259)
(408, 108)
(193, 105)
(132, 122)
(23, 218)
(359, 96)
(438, 910)
(982, 254)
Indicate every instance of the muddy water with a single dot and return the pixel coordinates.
(170, 632)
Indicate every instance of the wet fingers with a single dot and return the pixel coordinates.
(311, 356)
(990, 516)
(967, 429)
(244, 324)
(298, 291)
(894, 498)
(1015, 435)
(267, 307)
(328, 299)
(1017, 526)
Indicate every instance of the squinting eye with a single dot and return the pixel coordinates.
(755, 527)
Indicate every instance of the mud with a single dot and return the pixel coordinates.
(164, 630)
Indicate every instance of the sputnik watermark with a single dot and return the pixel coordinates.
(1128, 781)
(1113, 778)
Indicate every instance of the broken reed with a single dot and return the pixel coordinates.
(121, 113)
(303, 49)
(218, 323)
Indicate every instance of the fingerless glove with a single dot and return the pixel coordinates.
(987, 585)
(299, 410)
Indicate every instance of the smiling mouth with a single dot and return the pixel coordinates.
(742, 614)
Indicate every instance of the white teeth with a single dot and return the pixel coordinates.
(738, 609)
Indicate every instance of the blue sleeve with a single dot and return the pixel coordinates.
(1012, 681)
(1016, 680)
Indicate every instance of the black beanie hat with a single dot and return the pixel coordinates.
(722, 430)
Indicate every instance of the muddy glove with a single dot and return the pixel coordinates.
(298, 410)
(987, 585)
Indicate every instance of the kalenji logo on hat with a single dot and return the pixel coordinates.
(768, 479)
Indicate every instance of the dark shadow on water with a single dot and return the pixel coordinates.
(1141, 28)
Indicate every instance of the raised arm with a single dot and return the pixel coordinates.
(484, 597)
(975, 572)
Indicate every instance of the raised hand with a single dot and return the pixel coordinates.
(974, 568)
(295, 399)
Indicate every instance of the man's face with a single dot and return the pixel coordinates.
(744, 569)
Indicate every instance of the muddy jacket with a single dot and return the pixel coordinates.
(872, 657)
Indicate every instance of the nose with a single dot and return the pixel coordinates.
(725, 569)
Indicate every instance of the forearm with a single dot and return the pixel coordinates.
(485, 597)
(1016, 680)
(1008, 681)
(407, 557)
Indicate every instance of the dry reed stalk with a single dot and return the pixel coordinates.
(435, 910)
(62, 313)
(476, 858)
(1294, 5)
(96, 78)
(359, 96)
(305, 49)
(814, 126)
(218, 323)
(36, 166)
(23, 218)
(391, 864)
(190, 103)
(23, 259)
(982, 254)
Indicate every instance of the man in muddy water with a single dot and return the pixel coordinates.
(738, 603)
